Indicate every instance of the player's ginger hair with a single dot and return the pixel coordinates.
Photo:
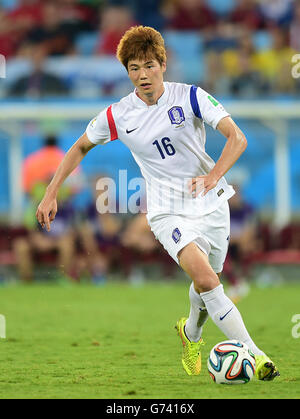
(139, 43)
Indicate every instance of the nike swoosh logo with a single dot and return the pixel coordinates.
(128, 131)
(223, 317)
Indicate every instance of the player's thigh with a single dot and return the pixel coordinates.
(176, 232)
(216, 228)
(196, 264)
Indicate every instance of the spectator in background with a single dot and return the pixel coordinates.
(246, 14)
(274, 64)
(243, 244)
(138, 244)
(115, 20)
(8, 35)
(27, 15)
(38, 169)
(39, 83)
(29, 12)
(295, 27)
(15, 25)
(146, 12)
(190, 15)
(239, 67)
(222, 38)
(149, 13)
(140, 247)
(39, 166)
(51, 36)
(77, 17)
(99, 239)
(276, 12)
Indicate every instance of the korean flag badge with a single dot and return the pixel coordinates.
(176, 116)
(176, 235)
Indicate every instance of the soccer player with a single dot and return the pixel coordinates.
(162, 123)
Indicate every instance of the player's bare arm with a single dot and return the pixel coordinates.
(47, 209)
(235, 145)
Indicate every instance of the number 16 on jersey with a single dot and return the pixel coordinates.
(165, 147)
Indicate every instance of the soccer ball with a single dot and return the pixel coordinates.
(231, 362)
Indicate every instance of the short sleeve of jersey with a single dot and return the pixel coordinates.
(211, 110)
(98, 129)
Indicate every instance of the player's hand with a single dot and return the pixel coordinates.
(46, 211)
(202, 184)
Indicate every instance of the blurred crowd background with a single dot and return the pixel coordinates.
(240, 47)
(63, 52)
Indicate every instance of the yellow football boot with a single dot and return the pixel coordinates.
(265, 368)
(191, 351)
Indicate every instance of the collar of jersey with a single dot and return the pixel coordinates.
(161, 101)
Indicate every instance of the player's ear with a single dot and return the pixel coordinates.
(164, 66)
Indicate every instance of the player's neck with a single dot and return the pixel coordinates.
(151, 98)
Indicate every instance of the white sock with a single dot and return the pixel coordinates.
(227, 317)
(197, 317)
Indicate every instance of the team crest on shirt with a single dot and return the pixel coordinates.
(176, 235)
(176, 116)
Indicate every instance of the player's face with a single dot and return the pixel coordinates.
(147, 77)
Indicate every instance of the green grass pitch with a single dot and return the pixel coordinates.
(118, 341)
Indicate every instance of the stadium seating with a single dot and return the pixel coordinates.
(186, 46)
(262, 40)
(221, 7)
(86, 43)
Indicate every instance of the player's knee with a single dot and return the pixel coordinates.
(196, 264)
(205, 281)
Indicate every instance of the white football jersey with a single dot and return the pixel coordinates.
(167, 140)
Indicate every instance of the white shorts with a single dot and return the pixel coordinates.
(210, 232)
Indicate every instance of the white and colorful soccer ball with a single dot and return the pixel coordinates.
(231, 362)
